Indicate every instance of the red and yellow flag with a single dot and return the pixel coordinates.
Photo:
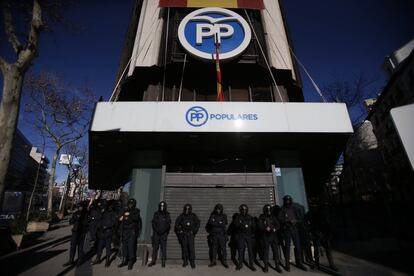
(232, 4)
(220, 95)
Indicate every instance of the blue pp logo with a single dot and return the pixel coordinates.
(196, 116)
(199, 30)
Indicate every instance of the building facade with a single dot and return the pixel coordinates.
(27, 167)
(377, 178)
(164, 136)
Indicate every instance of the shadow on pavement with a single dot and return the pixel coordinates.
(23, 261)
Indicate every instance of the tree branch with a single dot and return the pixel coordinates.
(3, 65)
(9, 27)
(29, 53)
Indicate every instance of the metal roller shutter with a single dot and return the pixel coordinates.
(203, 191)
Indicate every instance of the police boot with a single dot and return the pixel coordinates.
(152, 263)
(123, 263)
(266, 267)
(252, 267)
(185, 263)
(96, 261)
(192, 264)
(277, 266)
(163, 262)
(108, 261)
(130, 265)
(213, 263)
(287, 265)
(224, 262)
(301, 266)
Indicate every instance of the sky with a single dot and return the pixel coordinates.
(333, 39)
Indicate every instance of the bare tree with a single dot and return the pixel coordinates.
(77, 169)
(25, 44)
(352, 93)
(61, 113)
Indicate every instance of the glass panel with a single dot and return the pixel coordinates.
(290, 182)
(146, 188)
(261, 94)
(239, 95)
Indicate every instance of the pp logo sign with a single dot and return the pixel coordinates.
(196, 116)
(198, 31)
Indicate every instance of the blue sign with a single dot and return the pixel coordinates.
(200, 30)
(196, 116)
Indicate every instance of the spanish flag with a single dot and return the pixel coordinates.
(232, 4)
(220, 95)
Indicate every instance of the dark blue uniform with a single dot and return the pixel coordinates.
(186, 227)
(161, 224)
(291, 217)
(130, 229)
(245, 231)
(106, 229)
(216, 227)
(268, 226)
(79, 220)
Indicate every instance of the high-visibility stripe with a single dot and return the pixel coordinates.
(233, 4)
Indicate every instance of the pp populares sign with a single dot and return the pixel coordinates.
(199, 30)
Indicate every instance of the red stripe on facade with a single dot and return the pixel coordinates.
(242, 4)
(173, 3)
(250, 4)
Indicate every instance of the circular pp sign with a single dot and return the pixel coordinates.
(199, 31)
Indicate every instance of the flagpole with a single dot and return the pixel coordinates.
(220, 95)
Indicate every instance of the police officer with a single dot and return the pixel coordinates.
(161, 224)
(232, 232)
(80, 228)
(186, 227)
(130, 228)
(216, 227)
(245, 230)
(268, 226)
(94, 217)
(105, 232)
(291, 216)
(319, 227)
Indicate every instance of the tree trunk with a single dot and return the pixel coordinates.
(52, 184)
(66, 194)
(9, 114)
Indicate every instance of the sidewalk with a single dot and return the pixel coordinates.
(47, 259)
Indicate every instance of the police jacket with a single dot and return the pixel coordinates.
(95, 216)
(244, 224)
(291, 216)
(131, 221)
(79, 220)
(217, 224)
(161, 222)
(109, 220)
(187, 224)
(268, 221)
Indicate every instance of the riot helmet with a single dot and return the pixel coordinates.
(132, 203)
(187, 209)
(267, 210)
(162, 206)
(244, 210)
(287, 200)
(218, 209)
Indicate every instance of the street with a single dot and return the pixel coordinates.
(47, 257)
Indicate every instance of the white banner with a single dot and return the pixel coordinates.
(221, 117)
